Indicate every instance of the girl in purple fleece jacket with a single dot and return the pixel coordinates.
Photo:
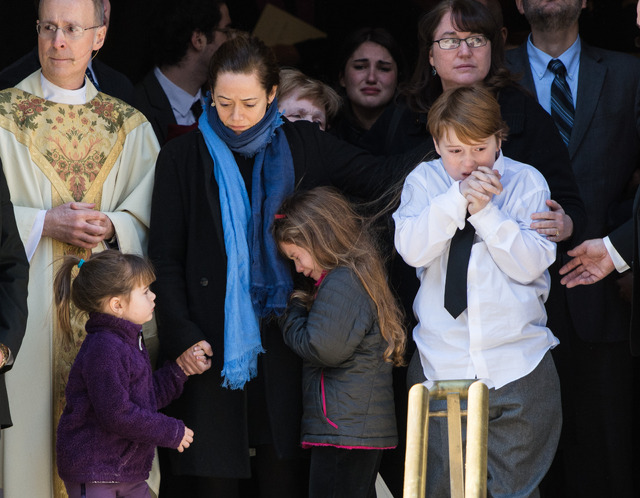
(110, 425)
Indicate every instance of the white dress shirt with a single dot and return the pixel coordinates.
(502, 335)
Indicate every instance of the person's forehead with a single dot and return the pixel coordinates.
(306, 103)
(67, 10)
(371, 49)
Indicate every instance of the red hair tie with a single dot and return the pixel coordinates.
(280, 216)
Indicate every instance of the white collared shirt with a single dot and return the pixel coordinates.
(502, 335)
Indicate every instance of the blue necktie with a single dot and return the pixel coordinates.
(562, 109)
(91, 78)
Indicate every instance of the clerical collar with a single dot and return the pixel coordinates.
(61, 95)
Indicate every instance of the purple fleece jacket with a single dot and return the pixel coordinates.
(111, 425)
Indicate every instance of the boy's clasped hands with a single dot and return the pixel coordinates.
(479, 187)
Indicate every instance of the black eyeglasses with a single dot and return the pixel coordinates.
(475, 41)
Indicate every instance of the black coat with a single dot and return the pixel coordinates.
(14, 278)
(151, 101)
(186, 246)
(625, 240)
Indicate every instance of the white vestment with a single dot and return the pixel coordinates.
(105, 135)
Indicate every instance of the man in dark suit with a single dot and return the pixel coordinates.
(14, 276)
(104, 78)
(601, 123)
(189, 33)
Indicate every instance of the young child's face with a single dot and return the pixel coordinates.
(460, 159)
(139, 307)
(305, 263)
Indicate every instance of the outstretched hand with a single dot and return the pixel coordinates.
(187, 439)
(591, 263)
(196, 359)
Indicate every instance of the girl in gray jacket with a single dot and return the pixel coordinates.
(348, 330)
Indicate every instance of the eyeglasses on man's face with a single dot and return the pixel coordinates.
(48, 30)
(475, 41)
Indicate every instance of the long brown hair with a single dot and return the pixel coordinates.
(466, 15)
(105, 275)
(324, 223)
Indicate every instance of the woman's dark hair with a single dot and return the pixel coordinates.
(466, 15)
(104, 275)
(245, 54)
(376, 35)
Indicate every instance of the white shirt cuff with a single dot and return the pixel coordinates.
(618, 261)
(35, 235)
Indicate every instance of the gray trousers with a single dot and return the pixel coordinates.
(525, 418)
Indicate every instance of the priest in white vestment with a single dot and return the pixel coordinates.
(79, 165)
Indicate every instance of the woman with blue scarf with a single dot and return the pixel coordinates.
(221, 280)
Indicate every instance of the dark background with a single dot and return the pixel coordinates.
(605, 23)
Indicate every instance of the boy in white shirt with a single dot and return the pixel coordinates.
(481, 313)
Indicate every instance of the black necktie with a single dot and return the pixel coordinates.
(91, 78)
(196, 109)
(562, 109)
(455, 288)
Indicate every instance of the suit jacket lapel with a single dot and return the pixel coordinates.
(160, 102)
(590, 81)
(518, 60)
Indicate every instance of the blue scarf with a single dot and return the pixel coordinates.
(258, 278)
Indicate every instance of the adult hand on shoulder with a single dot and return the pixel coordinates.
(77, 223)
(555, 224)
(196, 359)
(479, 187)
(187, 439)
(591, 262)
